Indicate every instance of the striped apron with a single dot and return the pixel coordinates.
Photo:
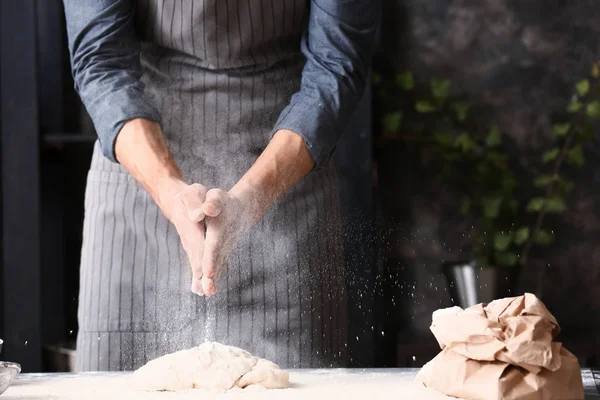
(219, 72)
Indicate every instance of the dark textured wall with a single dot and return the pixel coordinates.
(518, 60)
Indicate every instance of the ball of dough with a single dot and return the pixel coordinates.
(209, 366)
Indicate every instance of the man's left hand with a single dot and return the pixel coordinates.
(228, 215)
(282, 164)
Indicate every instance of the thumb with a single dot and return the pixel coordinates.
(214, 202)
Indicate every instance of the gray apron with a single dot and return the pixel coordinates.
(219, 72)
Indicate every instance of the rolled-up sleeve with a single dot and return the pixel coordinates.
(338, 45)
(106, 66)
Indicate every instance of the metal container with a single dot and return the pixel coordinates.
(8, 371)
(470, 284)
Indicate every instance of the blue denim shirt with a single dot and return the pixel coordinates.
(338, 45)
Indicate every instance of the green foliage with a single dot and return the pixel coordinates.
(544, 237)
(506, 259)
(502, 241)
(543, 181)
(561, 129)
(593, 109)
(424, 107)
(491, 207)
(465, 142)
(521, 235)
(536, 204)
(550, 155)
(575, 156)
(493, 138)
(461, 108)
(555, 205)
(440, 89)
(583, 87)
(391, 121)
(585, 133)
(405, 80)
(574, 106)
(595, 71)
(476, 161)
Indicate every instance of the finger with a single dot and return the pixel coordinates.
(214, 203)
(210, 257)
(196, 286)
(193, 198)
(194, 246)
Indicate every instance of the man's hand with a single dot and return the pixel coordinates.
(229, 214)
(184, 210)
(141, 148)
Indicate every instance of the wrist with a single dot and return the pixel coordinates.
(284, 162)
(164, 193)
(142, 149)
(256, 196)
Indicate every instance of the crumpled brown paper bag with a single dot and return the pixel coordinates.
(502, 351)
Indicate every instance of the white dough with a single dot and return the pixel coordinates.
(209, 366)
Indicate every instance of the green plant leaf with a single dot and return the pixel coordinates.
(491, 207)
(521, 235)
(506, 259)
(502, 241)
(593, 109)
(440, 88)
(575, 156)
(465, 142)
(543, 237)
(542, 181)
(596, 70)
(561, 129)
(574, 106)
(405, 80)
(536, 204)
(443, 138)
(585, 133)
(424, 107)
(565, 185)
(391, 121)
(461, 108)
(493, 138)
(550, 155)
(583, 87)
(555, 205)
(465, 205)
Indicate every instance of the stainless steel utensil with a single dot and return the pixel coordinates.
(8, 371)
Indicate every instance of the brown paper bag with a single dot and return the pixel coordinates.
(502, 351)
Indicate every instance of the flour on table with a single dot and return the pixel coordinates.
(209, 366)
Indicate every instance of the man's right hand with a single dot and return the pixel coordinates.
(142, 149)
(182, 205)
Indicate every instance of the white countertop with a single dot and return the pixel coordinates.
(336, 384)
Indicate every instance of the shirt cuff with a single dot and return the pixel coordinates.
(314, 125)
(115, 109)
